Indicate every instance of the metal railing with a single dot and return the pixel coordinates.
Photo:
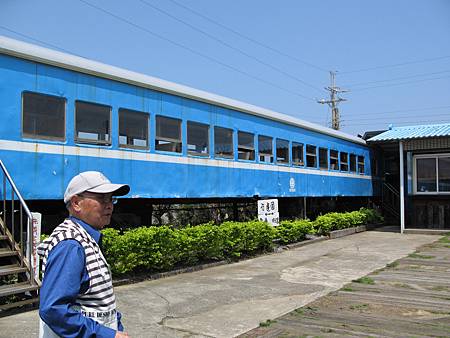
(13, 221)
(391, 199)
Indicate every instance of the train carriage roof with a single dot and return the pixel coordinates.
(55, 58)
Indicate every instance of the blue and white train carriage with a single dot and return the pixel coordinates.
(62, 114)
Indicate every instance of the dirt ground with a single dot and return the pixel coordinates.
(408, 298)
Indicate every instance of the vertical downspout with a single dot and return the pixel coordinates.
(402, 190)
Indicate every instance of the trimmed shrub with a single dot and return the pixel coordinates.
(163, 248)
(246, 237)
(294, 231)
(371, 216)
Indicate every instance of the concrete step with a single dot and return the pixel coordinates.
(11, 289)
(11, 269)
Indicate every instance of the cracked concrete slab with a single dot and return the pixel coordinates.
(228, 300)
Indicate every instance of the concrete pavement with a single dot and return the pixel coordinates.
(228, 300)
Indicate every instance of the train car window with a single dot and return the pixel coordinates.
(168, 134)
(323, 158)
(334, 160)
(92, 123)
(297, 153)
(344, 161)
(223, 142)
(361, 164)
(43, 116)
(246, 146)
(133, 129)
(197, 139)
(311, 156)
(353, 163)
(265, 149)
(282, 151)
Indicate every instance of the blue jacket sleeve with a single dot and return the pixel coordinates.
(65, 277)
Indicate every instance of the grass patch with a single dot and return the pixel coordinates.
(299, 311)
(359, 307)
(267, 323)
(364, 280)
(445, 240)
(419, 256)
(393, 264)
(347, 289)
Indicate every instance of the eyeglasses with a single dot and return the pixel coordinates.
(101, 198)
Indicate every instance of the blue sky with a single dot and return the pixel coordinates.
(393, 56)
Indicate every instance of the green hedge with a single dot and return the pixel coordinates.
(164, 248)
(336, 221)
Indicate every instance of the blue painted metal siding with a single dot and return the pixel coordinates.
(43, 175)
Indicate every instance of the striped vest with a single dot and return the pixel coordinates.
(98, 301)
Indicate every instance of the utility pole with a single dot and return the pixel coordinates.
(333, 101)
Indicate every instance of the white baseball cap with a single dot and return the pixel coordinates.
(93, 181)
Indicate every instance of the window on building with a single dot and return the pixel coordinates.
(433, 174)
(223, 142)
(168, 134)
(43, 116)
(311, 156)
(426, 175)
(282, 151)
(297, 153)
(133, 129)
(265, 149)
(344, 161)
(334, 160)
(92, 123)
(323, 158)
(353, 163)
(246, 146)
(444, 174)
(361, 166)
(197, 139)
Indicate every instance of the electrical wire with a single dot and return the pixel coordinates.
(405, 110)
(351, 85)
(395, 117)
(38, 41)
(259, 43)
(226, 44)
(401, 83)
(403, 123)
(395, 65)
(205, 56)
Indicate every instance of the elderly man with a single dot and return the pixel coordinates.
(77, 297)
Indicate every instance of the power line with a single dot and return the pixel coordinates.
(399, 111)
(405, 110)
(404, 123)
(226, 44)
(401, 83)
(351, 85)
(396, 65)
(37, 40)
(394, 117)
(210, 58)
(334, 101)
(261, 44)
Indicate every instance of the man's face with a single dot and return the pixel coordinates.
(94, 209)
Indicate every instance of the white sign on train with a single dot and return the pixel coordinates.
(268, 211)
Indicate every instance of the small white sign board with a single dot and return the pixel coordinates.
(268, 211)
